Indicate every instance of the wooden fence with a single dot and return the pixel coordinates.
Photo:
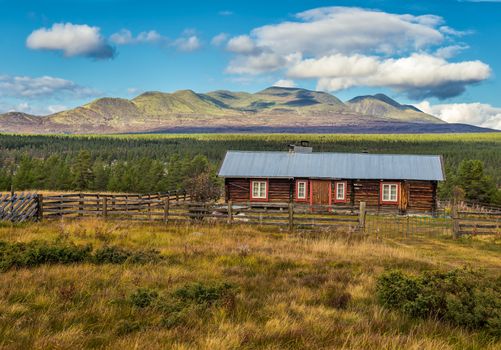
(19, 207)
(128, 206)
(486, 221)
(177, 207)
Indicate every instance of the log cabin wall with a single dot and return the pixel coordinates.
(238, 190)
(280, 190)
(422, 195)
(367, 191)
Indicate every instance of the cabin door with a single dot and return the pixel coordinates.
(320, 192)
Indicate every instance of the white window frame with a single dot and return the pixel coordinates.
(305, 194)
(260, 184)
(343, 198)
(389, 198)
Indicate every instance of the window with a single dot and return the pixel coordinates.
(340, 191)
(389, 193)
(259, 189)
(301, 190)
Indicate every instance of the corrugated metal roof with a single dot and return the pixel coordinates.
(331, 165)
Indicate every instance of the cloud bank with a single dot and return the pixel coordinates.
(480, 114)
(38, 87)
(344, 47)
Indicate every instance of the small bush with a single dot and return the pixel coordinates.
(201, 294)
(36, 253)
(119, 255)
(461, 297)
(143, 297)
(39, 252)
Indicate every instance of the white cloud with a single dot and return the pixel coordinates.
(46, 86)
(450, 51)
(225, 13)
(345, 47)
(329, 30)
(187, 44)
(418, 75)
(219, 39)
(124, 37)
(242, 44)
(263, 62)
(479, 114)
(285, 83)
(72, 40)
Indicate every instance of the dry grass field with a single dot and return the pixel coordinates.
(221, 287)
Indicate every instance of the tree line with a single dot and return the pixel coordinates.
(142, 175)
(158, 163)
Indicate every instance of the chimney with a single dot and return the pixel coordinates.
(304, 148)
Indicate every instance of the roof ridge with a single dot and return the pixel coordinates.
(349, 153)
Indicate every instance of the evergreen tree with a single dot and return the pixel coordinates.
(83, 175)
(477, 186)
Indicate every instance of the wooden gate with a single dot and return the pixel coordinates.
(320, 192)
(19, 207)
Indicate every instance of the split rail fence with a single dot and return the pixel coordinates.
(177, 207)
(477, 221)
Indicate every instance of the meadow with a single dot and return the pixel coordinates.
(95, 284)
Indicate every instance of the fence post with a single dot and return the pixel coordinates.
(230, 212)
(291, 216)
(12, 193)
(40, 206)
(361, 216)
(149, 207)
(105, 206)
(455, 219)
(166, 209)
(80, 204)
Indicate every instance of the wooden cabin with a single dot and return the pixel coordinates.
(403, 182)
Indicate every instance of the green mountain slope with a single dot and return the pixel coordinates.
(274, 107)
(380, 105)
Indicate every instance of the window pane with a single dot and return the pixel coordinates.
(254, 189)
(340, 191)
(301, 190)
(386, 194)
(393, 192)
(262, 190)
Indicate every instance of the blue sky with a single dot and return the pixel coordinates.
(441, 55)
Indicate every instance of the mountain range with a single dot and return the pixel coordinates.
(275, 109)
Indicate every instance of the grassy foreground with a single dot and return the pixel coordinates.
(302, 291)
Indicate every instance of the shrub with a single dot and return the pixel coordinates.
(39, 252)
(143, 297)
(119, 255)
(461, 297)
(60, 252)
(201, 294)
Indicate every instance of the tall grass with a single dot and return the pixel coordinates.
(225, 288)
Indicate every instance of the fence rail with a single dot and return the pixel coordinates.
(474, 222)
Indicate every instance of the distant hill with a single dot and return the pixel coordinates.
(273, 109)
